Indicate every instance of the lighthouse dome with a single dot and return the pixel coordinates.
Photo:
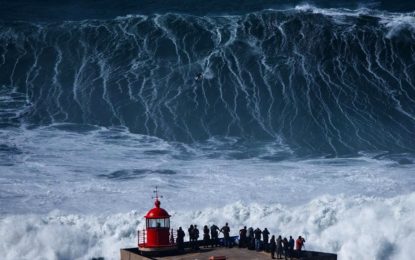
(157, 212)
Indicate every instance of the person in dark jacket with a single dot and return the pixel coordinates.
(191, 236)
(272, 246)
(214, 235)
(180, 239)
(251, 239)
(265, 235)
(196, 237)
(291, 247)
(257, 235)
(226, 238)
(206, 237)
(285, 246)
(242, 237)
(279, 247)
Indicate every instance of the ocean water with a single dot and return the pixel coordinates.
(304, 123)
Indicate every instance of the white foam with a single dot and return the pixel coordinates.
(329, 11)
(397, 24)
(57, 236)
(355, 228)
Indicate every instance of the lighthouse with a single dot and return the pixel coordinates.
(157, 236)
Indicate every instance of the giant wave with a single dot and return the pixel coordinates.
(321, 81)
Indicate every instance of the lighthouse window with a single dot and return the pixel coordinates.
(158, 223)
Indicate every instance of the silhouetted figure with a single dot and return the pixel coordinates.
(291, 247)
(272, 246)
(191, 236)
(279, 247)
(265, 235)
(285, 246)
(226, 230)
(214, 233)
(257, 235)
(199, 76)
(196, 238)
(206, 237)
(251, 239)
(242, 237)
(180, 239)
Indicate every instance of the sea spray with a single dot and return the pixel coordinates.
(353, 227)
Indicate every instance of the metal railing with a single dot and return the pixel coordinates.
(142, 237)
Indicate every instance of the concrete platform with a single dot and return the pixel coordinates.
(230, 253)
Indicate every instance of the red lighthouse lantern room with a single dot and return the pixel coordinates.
(157, 235)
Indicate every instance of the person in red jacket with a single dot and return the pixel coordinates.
(299, 243)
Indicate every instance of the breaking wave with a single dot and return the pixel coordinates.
(321, 81)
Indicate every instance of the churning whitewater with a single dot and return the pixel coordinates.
(303, 121)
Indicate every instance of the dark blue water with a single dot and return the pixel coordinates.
(323, 78)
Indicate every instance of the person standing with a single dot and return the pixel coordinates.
(279, 247)
(226, 230)
(206, 237)
(242, 237)
(251, 240)
(191, 236)
(265, 235)
(196, 237)
(180, 239)
(214, 235)
(257, 235)
(291, 247)
(285, 246)
(299, 243)
(272, 246)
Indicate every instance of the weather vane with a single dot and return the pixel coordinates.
(156, 192)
